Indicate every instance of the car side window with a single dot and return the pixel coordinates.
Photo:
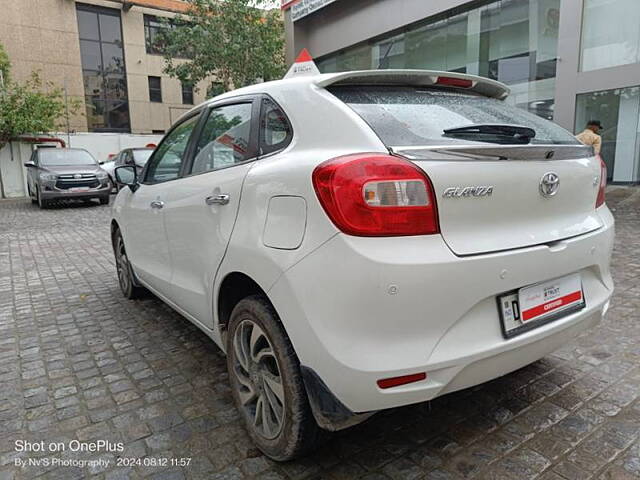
(275, 130)
(167, 160)
(128, 158)
(224, 140)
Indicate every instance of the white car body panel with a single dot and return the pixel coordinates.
(198, 235)
(360, 309)
(145, 235)
(443, 315)
(517, 215)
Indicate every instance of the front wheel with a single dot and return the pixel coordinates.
(42, 203)
(123, 267)
(266, 382)
(104, 200)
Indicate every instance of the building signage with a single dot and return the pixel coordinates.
(302, 8)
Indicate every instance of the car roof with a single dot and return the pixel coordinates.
(399, 77)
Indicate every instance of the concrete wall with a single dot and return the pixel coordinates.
(147, 116)
(12, 171)
(12, 157)
(42, 35)
(101, 145)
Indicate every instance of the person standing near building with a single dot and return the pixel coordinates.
(591, 136)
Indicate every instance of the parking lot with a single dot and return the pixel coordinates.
(78, 361)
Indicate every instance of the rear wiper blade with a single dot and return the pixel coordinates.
(493, 132)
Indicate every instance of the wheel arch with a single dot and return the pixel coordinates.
(234, 287)
(114, 227)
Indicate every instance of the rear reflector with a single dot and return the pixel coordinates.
(403, 380)
(454, 82)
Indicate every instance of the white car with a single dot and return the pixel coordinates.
(109, 166)
(363, 240)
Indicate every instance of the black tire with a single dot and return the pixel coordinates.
(33, 198)
(114, 185)
(126, 279)
(298, 432)
(104, 200)
(41, 202)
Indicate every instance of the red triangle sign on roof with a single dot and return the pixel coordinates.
(304, 56)
(303, 66)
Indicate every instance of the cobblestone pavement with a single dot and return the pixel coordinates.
(78, 361)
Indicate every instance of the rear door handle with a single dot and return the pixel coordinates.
(221, 199)
(157, 204)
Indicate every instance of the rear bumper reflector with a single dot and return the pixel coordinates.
(403, 380)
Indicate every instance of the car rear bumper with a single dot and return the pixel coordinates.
(363, 309)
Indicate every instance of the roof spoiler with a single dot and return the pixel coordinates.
(418, 78)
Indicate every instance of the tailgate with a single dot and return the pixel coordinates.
(487, 204)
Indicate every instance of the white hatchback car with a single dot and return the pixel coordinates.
(362, 240)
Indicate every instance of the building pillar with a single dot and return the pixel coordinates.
(473, 41)
(568, 62)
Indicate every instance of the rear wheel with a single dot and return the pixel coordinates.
(266, 382)
(123, 267)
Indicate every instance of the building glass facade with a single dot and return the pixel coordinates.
(512, 41)
(610, 34)
(103, 69)
(619, 112)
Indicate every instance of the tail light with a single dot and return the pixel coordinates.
(376, 195)
(603, 182)
(454, 82)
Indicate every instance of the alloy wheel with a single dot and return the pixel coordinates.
(122, 265)
(260, 386)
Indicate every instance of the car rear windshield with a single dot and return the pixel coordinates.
(52, 157)
(413, 116)
(140, 157)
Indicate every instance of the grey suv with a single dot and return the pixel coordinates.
(65, 173)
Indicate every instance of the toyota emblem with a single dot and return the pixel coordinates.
(549, 184)
(77, 175)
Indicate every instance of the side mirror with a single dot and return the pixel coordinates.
(127, 175)
(29, 164)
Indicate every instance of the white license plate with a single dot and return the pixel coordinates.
(534, 305)
(79, 189)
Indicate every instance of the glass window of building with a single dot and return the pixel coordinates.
(610, 33)
(187, 93)
(155, 89)
(619, 112)
(103, 68)
(153, 26)
(513, 41)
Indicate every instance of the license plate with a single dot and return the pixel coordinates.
(79, 189)
(537, 304)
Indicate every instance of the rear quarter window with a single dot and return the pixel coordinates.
(413, 116)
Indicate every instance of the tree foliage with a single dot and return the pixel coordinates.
(233, 40)
(29, 107)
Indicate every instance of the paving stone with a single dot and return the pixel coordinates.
(78, 361)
